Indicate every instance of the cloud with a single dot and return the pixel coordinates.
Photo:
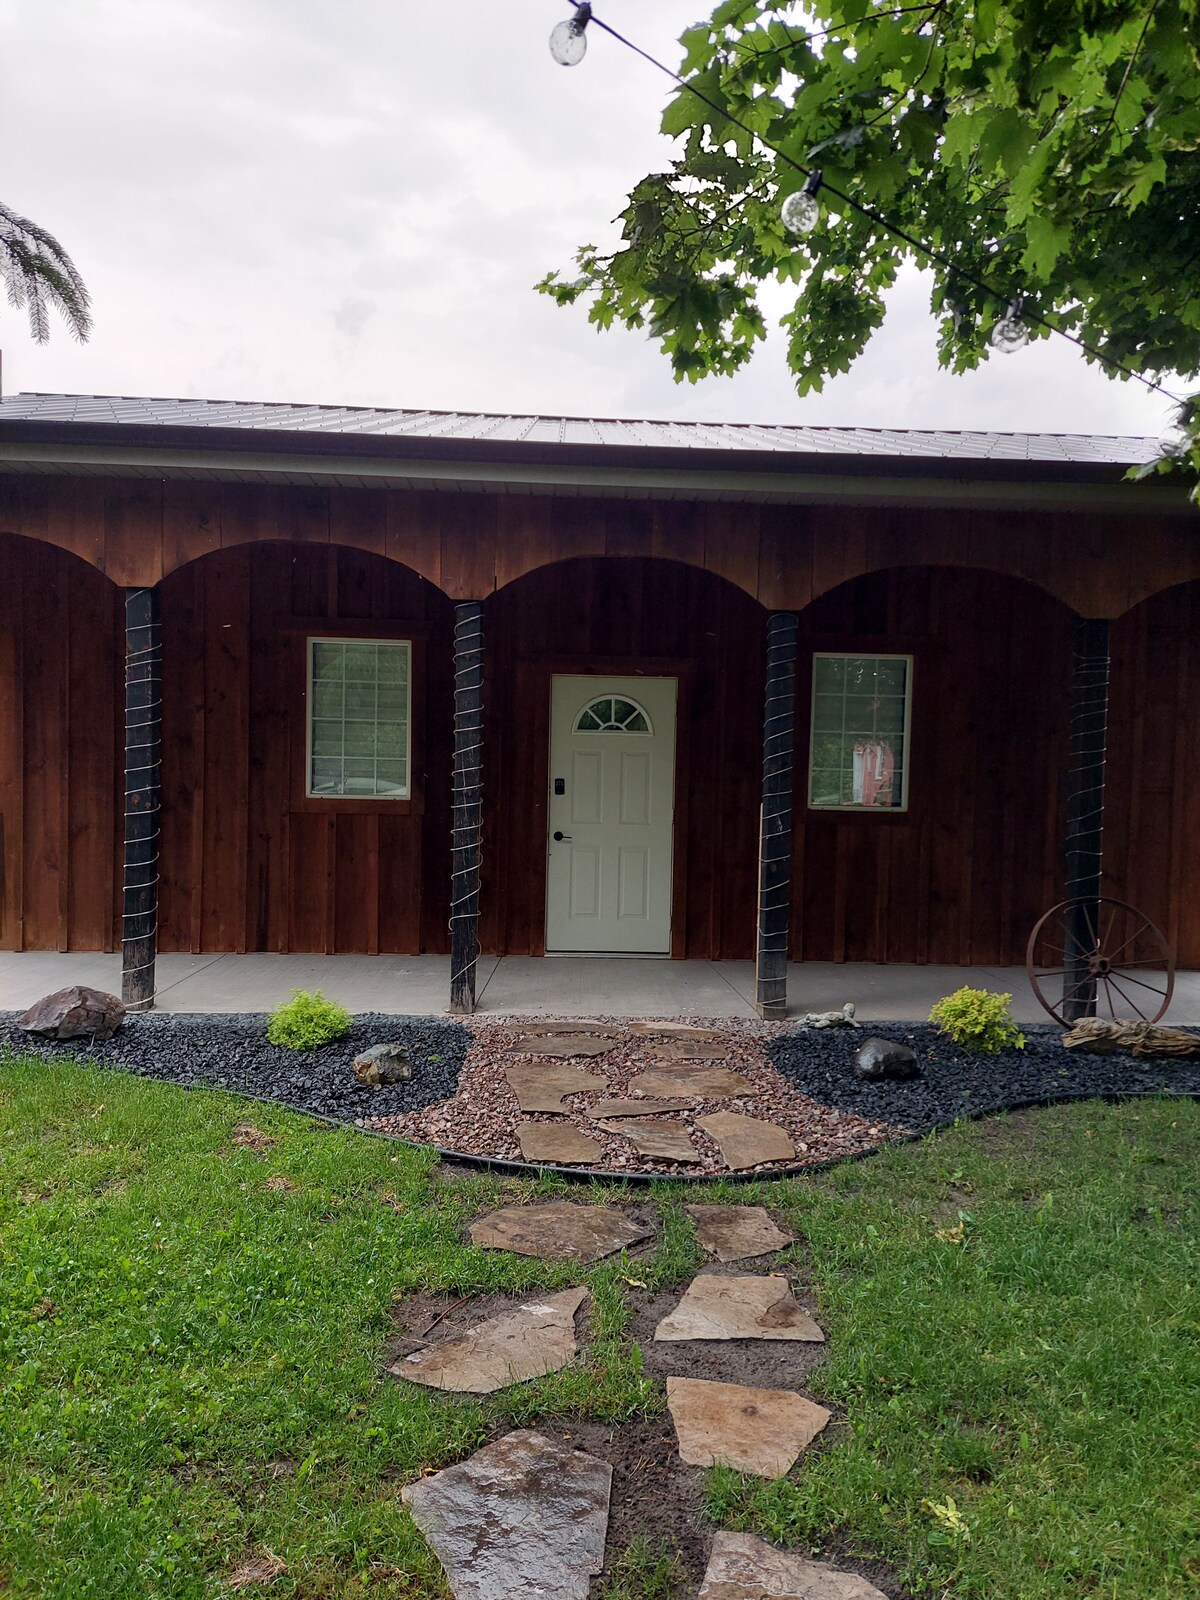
(351, 204)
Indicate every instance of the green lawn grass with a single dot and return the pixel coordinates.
(193, 1374)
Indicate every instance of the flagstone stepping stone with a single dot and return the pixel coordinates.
(674, 1049)
(561, 1044)
(635, 1108)
(719, 1307)
(742, 1567)
(736, 1233)
(543, 1030)
(537, 1338)
(676, 1030)
(666, 1141)
(747, 1141)
(558, 1231)
(540, 1086)
(521, 1518)
(557, 1142)
(752, 1430)
(697, 1083)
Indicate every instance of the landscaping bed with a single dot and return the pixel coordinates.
(231, 1051)
(958, 1083)
(800, 1081)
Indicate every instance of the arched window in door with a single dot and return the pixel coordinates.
(612, 714)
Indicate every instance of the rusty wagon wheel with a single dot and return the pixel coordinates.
(1100, 958)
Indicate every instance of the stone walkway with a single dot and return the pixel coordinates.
(527, 1516)
(632, 1096)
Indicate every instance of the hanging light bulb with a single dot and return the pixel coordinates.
(1176, 438)
(801, 211)
(568, 41)
(1012, 331)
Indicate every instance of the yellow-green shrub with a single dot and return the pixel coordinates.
(307, 1020)
(976, 1019)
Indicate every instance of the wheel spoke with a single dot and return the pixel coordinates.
(1128, 1000)
(1108, 991)
(1141, 985)
(1131, 940)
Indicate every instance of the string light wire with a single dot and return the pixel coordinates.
(877, 218)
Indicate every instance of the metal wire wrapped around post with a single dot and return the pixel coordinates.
(467, 803)
(143, 796)
(775, 829)
(1085, 812)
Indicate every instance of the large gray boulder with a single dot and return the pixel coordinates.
(74, 1013)
(383, 1063)
(884, 1058)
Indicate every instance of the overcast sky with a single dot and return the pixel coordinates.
(348, 201)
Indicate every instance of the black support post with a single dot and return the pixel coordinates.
(1085, 812)
(143, 796)
(468, 809)
(775, 824)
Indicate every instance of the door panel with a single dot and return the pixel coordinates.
(612, 749)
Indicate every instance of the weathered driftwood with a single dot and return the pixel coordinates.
(1107, 1037)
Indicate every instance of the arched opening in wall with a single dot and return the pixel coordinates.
(61, 732)
(1152, 795)
(932, 724)
(633, 637)
(307, 736)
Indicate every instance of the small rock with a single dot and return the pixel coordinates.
(384, 1063)
(884, 1058)
(75, 1013)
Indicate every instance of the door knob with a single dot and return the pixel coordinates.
(559, 837)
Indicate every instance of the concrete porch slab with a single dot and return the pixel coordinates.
(530, 986)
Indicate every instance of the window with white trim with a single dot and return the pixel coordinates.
(612, 713)
(858, 753)
(359, 713)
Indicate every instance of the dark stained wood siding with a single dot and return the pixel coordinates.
(248, 863)
(625, 617)
(963, 874)
(470, 544)
(1152, 815)
(61, 688)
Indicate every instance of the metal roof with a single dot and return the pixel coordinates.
(491, 428)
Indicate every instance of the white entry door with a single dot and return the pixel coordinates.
(612, 799)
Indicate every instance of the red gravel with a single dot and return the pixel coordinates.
(481, 1118)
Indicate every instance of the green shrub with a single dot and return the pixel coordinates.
(978, 1020)
(307, 1020)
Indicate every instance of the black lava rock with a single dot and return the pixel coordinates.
(958, 1083)
(884, 1058)
(231, 1051)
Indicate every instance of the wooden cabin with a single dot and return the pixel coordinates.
(305, 678)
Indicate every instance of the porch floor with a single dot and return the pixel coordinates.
(566, 986)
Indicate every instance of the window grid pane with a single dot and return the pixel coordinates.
(858, 756)
(358, 718)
